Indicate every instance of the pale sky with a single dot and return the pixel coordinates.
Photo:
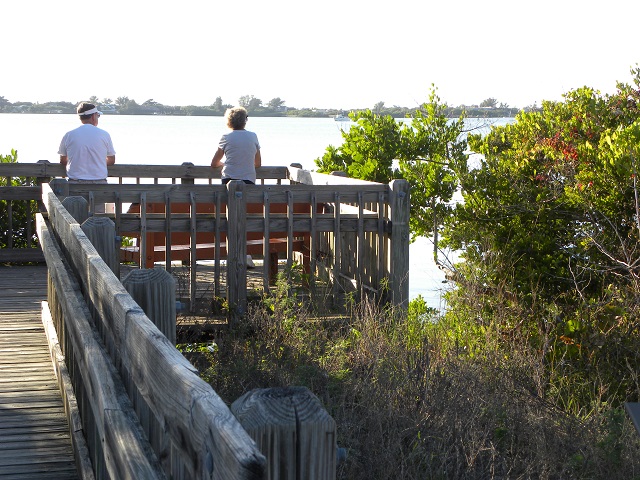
(329, 54)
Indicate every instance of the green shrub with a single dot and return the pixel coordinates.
(410, 400)
(16, 216)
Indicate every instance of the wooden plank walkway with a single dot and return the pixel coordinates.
(34, 435)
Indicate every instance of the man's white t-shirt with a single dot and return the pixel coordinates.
(86, 149)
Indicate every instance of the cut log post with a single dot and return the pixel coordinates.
(101, 232)
(154, 289)
(60, 186)
(78, 207)
(292, 429)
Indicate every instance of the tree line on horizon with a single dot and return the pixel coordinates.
(275, 107)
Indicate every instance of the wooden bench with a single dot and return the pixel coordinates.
(206, 251)
(206, 242)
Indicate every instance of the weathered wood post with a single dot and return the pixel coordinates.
(43, 177)
(292, 430)
(236, 249)
(399, 248)
(78, 207)
(60, 186)
(187, 179)
(101, 232)
(154, 289)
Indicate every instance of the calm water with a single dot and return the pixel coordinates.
(156, 139)
(173, 140)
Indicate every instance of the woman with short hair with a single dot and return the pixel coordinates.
(239, 147)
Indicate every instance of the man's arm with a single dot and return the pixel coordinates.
(111, 159)
(63, 159)
(258, 160)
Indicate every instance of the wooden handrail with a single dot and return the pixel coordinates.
(46, 169)
(193, 430)
(95, 380)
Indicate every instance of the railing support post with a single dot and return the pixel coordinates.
(42, 178)
(236, 249)
(399, 248)
(187, 179)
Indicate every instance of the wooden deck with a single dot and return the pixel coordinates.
(34, 435)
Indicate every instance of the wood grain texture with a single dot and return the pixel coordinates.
(34, 434)
(292, 429)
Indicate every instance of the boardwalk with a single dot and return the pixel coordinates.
(34, 435)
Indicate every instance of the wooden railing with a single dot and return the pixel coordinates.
(145, 411)
(355, 233)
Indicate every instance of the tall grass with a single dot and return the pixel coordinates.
(415, 398)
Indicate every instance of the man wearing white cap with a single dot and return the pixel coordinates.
(87, 150)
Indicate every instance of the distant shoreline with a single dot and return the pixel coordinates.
(455, 113)
(489, 108)
(255, 107)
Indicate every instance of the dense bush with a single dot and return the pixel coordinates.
(415, 398)
(548, 229)
(15, 214)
